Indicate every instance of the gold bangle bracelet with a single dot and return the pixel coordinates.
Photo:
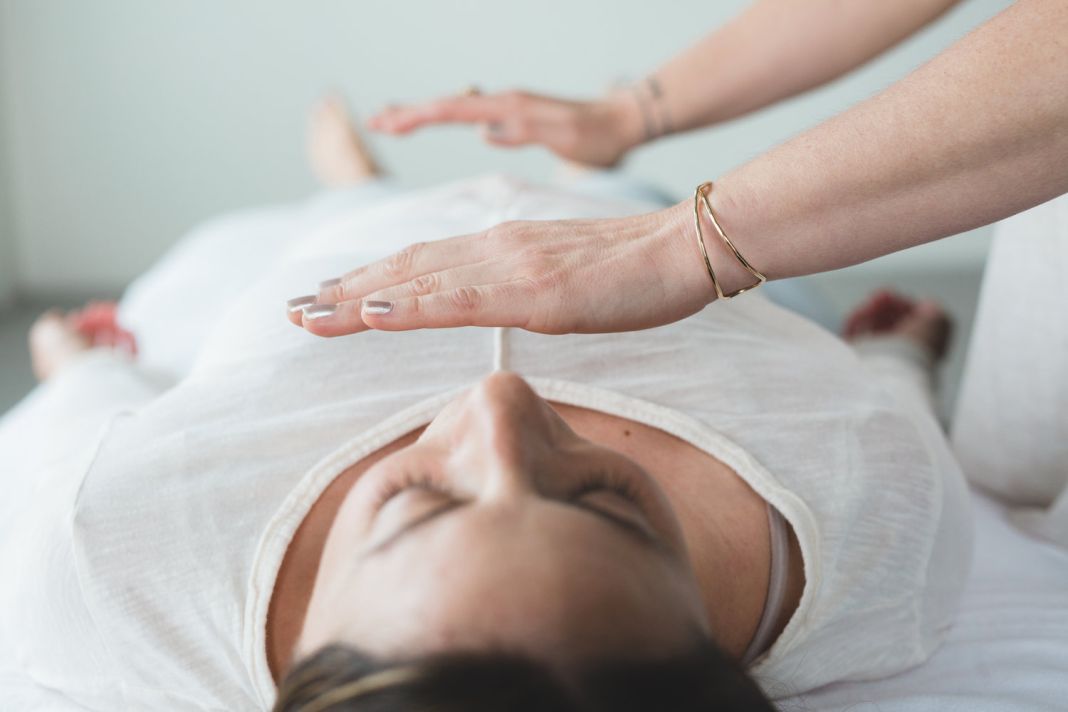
(701, 240)
(701, 196)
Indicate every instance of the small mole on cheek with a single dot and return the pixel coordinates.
(626, 433)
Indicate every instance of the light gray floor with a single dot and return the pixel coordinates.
(957, 290)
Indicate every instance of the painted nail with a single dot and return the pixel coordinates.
(318, 311)
(296, 305)
(329, 283)
(376, 307)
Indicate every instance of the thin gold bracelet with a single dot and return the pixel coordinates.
(701, 196)
(701, 239)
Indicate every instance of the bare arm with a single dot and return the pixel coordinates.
(976, 135)
(779, 48)
(773, 50)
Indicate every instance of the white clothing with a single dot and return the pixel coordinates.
(1010, 430)
(171, 539)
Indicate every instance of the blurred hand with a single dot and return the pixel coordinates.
(594, 133)
(552, 277)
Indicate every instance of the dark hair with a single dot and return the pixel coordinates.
(341, 679)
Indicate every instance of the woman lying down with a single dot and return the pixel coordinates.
(466, 519)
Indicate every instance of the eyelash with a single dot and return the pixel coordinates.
(608, 481)
(409, 480)
(593, 481)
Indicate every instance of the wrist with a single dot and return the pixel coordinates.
(731, 274)
(742, 219)
(623, 120)
(688, 267)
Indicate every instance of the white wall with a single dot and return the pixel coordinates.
(127, 122)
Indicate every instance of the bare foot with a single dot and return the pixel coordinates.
(886, 313)
(57, 339)
(336, 152)
(55, 343)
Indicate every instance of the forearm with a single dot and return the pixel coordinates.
(779, 48)
(976, 135)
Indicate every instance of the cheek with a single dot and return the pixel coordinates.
(444, 422)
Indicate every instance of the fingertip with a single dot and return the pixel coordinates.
(330, 291)
(382, 315)
(330, 320)
(380, 323)
(318, 328)
(295, 307)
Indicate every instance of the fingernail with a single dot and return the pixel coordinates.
(329, 283)
(318, 311)
(376, 307)
(295, 305)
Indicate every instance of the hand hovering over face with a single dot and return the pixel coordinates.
(595, 133)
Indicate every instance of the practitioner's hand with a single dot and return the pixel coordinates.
(552, 277)
(594, 133)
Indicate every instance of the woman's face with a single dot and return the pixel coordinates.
(500, 527)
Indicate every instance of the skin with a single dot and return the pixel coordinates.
(976, 135)
(518, 556)
(57, 340)
(775, 50)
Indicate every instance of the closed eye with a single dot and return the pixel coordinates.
(578, 497)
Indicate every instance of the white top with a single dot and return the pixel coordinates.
(146, 575)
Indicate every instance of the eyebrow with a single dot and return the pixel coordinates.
(620, 524)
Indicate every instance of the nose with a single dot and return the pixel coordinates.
(510, 435)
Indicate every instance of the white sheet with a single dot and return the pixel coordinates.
(1008, 650)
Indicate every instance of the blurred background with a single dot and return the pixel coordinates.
(123, 124)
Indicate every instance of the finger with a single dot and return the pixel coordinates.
(333, 319)
(488, 272)
(449, 110)
(413, 261)
(501, 304)
(295, 308)
(507, 134)
(349, 317)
